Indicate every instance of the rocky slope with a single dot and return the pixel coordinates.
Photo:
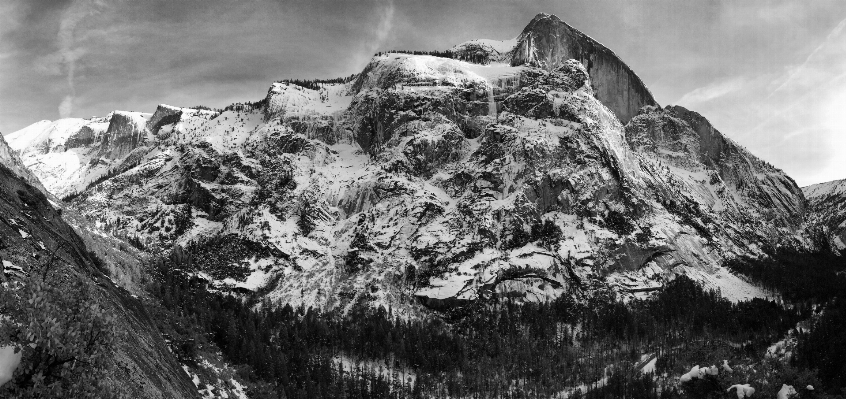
(432, 181)
(827, 205)
(31, 229)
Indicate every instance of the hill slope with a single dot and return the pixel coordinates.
(32, 232)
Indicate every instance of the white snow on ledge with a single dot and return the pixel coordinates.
(730, 286)
(9, 361)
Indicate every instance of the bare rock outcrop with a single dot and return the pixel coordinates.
(547, 41)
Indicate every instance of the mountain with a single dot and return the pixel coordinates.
(827, 206)
(529, 168)
(33, 234)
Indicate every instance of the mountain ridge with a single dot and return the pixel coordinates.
(435, 180)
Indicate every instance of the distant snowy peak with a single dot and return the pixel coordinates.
(819, 191)
(44, 136)
(63, 151)
(56, 136)
(827, 204)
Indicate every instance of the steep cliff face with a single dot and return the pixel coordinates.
(547, 41)
(435, 182)
(164, 115)
(720, 185)
(827, 216)
(30, 229)
(755, 182)
(126, 132)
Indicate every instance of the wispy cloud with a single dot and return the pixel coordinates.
(69, 53)
(803, 70)
(712, 91)
(380, 32)
(386, 22)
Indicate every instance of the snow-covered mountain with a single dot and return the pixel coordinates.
(530, 168)
(827, 206)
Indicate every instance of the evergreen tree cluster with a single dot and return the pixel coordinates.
(244, 107)
(435, 53)
(317, 84)
(504, 348)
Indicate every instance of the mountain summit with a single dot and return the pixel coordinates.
(529, 168)
(549, 42)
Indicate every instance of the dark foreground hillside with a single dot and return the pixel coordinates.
(78, 334)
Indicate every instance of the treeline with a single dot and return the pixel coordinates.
(435, 53)
(245, 106)
(316, 84)
(477, 57)
(499, 349)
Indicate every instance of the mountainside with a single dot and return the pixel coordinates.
(33, 235)
(827, 206)
(433, 181)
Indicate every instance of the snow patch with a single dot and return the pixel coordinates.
(9, 361)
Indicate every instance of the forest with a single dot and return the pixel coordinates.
(594, 347)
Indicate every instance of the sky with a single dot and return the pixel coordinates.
(771, 75)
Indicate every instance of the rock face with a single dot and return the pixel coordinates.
(124, 134)
(29, 227)
(547, 41)
(734, 181)
(827, 218)
(164, 115)
(435, 182)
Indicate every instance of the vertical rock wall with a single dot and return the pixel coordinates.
(547, 41)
